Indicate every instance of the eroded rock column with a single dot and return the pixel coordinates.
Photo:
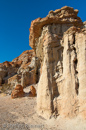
(81, 44)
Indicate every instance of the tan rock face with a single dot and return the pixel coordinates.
(14, 79)
(30, 74)
(65, 15)
(59, 41)
(17, 92)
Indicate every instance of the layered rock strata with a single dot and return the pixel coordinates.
(22, 70)
(59, 42)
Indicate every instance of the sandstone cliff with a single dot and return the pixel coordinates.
(59, 42)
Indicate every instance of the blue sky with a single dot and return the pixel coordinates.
(16, 17)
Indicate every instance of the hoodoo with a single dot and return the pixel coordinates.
(59, 42)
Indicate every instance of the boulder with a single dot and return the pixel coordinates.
(32, 92)
(17, 92)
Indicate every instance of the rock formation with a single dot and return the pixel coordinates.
(32, 92)
(59, 42)
(17, 92)
(57, 63)
(21, 70)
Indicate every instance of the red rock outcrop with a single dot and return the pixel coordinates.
(32, 92)
(17, 92)
(11, 72)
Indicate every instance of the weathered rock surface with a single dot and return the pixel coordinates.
(17, 92)
(65, 15)
(59, 42)
(30, 74)
(21, 70)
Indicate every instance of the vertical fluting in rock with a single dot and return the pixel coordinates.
(59, 42)
(81, 59)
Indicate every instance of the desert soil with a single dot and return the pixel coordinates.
(20, 114)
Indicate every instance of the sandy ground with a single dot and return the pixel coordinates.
(20, 114)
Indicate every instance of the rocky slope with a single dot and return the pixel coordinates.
(59, 42)
(21, 70)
